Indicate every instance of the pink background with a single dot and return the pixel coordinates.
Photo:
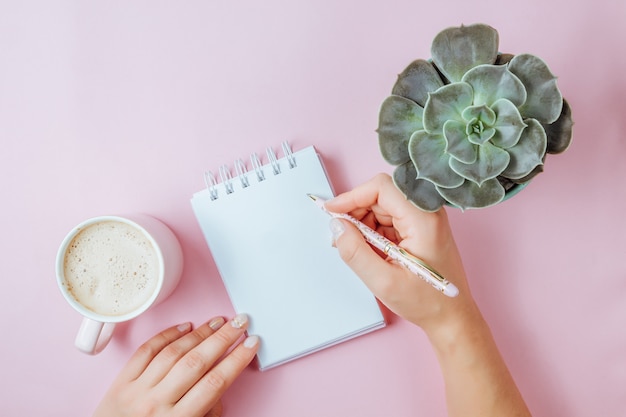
(120, 106)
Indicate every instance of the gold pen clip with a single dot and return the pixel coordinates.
(424, 265)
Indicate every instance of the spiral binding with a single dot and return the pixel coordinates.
(211, 184)
(273, 161)
(289, 155)
(241, 171)
(256, 164)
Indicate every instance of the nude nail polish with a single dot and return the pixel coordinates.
(239, 321)
(216, 323)
(251, 341)
(183, 327)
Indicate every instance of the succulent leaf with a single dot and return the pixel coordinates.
(509, 124)
(490, 163)
(482, 112)
(457, 50)
(525, 180)
(503, 59)
(560, 132)
(471, 195)
(479, 135)
(480, 120)
(398, 119)
(529, 151)
(544, 99)
(457, 144)
(416, 81)
(447, 103)
(493, 82)
(428, 153)
(421, 192)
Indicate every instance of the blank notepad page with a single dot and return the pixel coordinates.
(272, 248)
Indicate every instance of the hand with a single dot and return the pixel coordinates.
(380, 205)
(477, 379)
(181, 372)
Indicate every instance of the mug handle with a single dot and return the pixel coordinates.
(93, 336)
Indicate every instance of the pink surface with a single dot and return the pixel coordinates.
(116, 107)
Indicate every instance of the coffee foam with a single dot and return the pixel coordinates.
(111, 268)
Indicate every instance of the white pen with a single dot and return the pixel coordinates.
(404, 258)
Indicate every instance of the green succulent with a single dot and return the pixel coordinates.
(471, 126)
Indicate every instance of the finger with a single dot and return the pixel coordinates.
(195, 363)
(213, 385)
(360, 256)
(379, 195)
(388, 232)
(375, 218)
(216, 411)
(151, 348)
(390, 207)
(365, 195)
(165, 360)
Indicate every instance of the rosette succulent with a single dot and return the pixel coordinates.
(471, 126)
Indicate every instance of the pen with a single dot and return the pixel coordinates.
(404, 258)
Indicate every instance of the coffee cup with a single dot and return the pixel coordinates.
(111, 269)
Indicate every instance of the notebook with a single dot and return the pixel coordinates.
(272, 247)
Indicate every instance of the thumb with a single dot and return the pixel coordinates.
(359, 255)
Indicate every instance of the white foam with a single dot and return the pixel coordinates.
(111, 268)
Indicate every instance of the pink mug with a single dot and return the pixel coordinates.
(111, 269)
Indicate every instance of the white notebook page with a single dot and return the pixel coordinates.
(272, 248)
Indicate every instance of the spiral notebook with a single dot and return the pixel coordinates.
(272, 248)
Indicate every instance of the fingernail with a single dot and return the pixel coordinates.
(336, 228)
(251, 341)
(239, 321)
(216, 323)
(183, 327)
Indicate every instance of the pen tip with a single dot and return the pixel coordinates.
(312, 197)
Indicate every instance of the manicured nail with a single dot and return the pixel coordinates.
(183, 327)
(251, 341)
(336, 228)
(216, 323)
(239, 321)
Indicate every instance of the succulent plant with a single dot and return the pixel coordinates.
(472, 126)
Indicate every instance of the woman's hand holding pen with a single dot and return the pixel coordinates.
(381, 206)
(477, 379)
